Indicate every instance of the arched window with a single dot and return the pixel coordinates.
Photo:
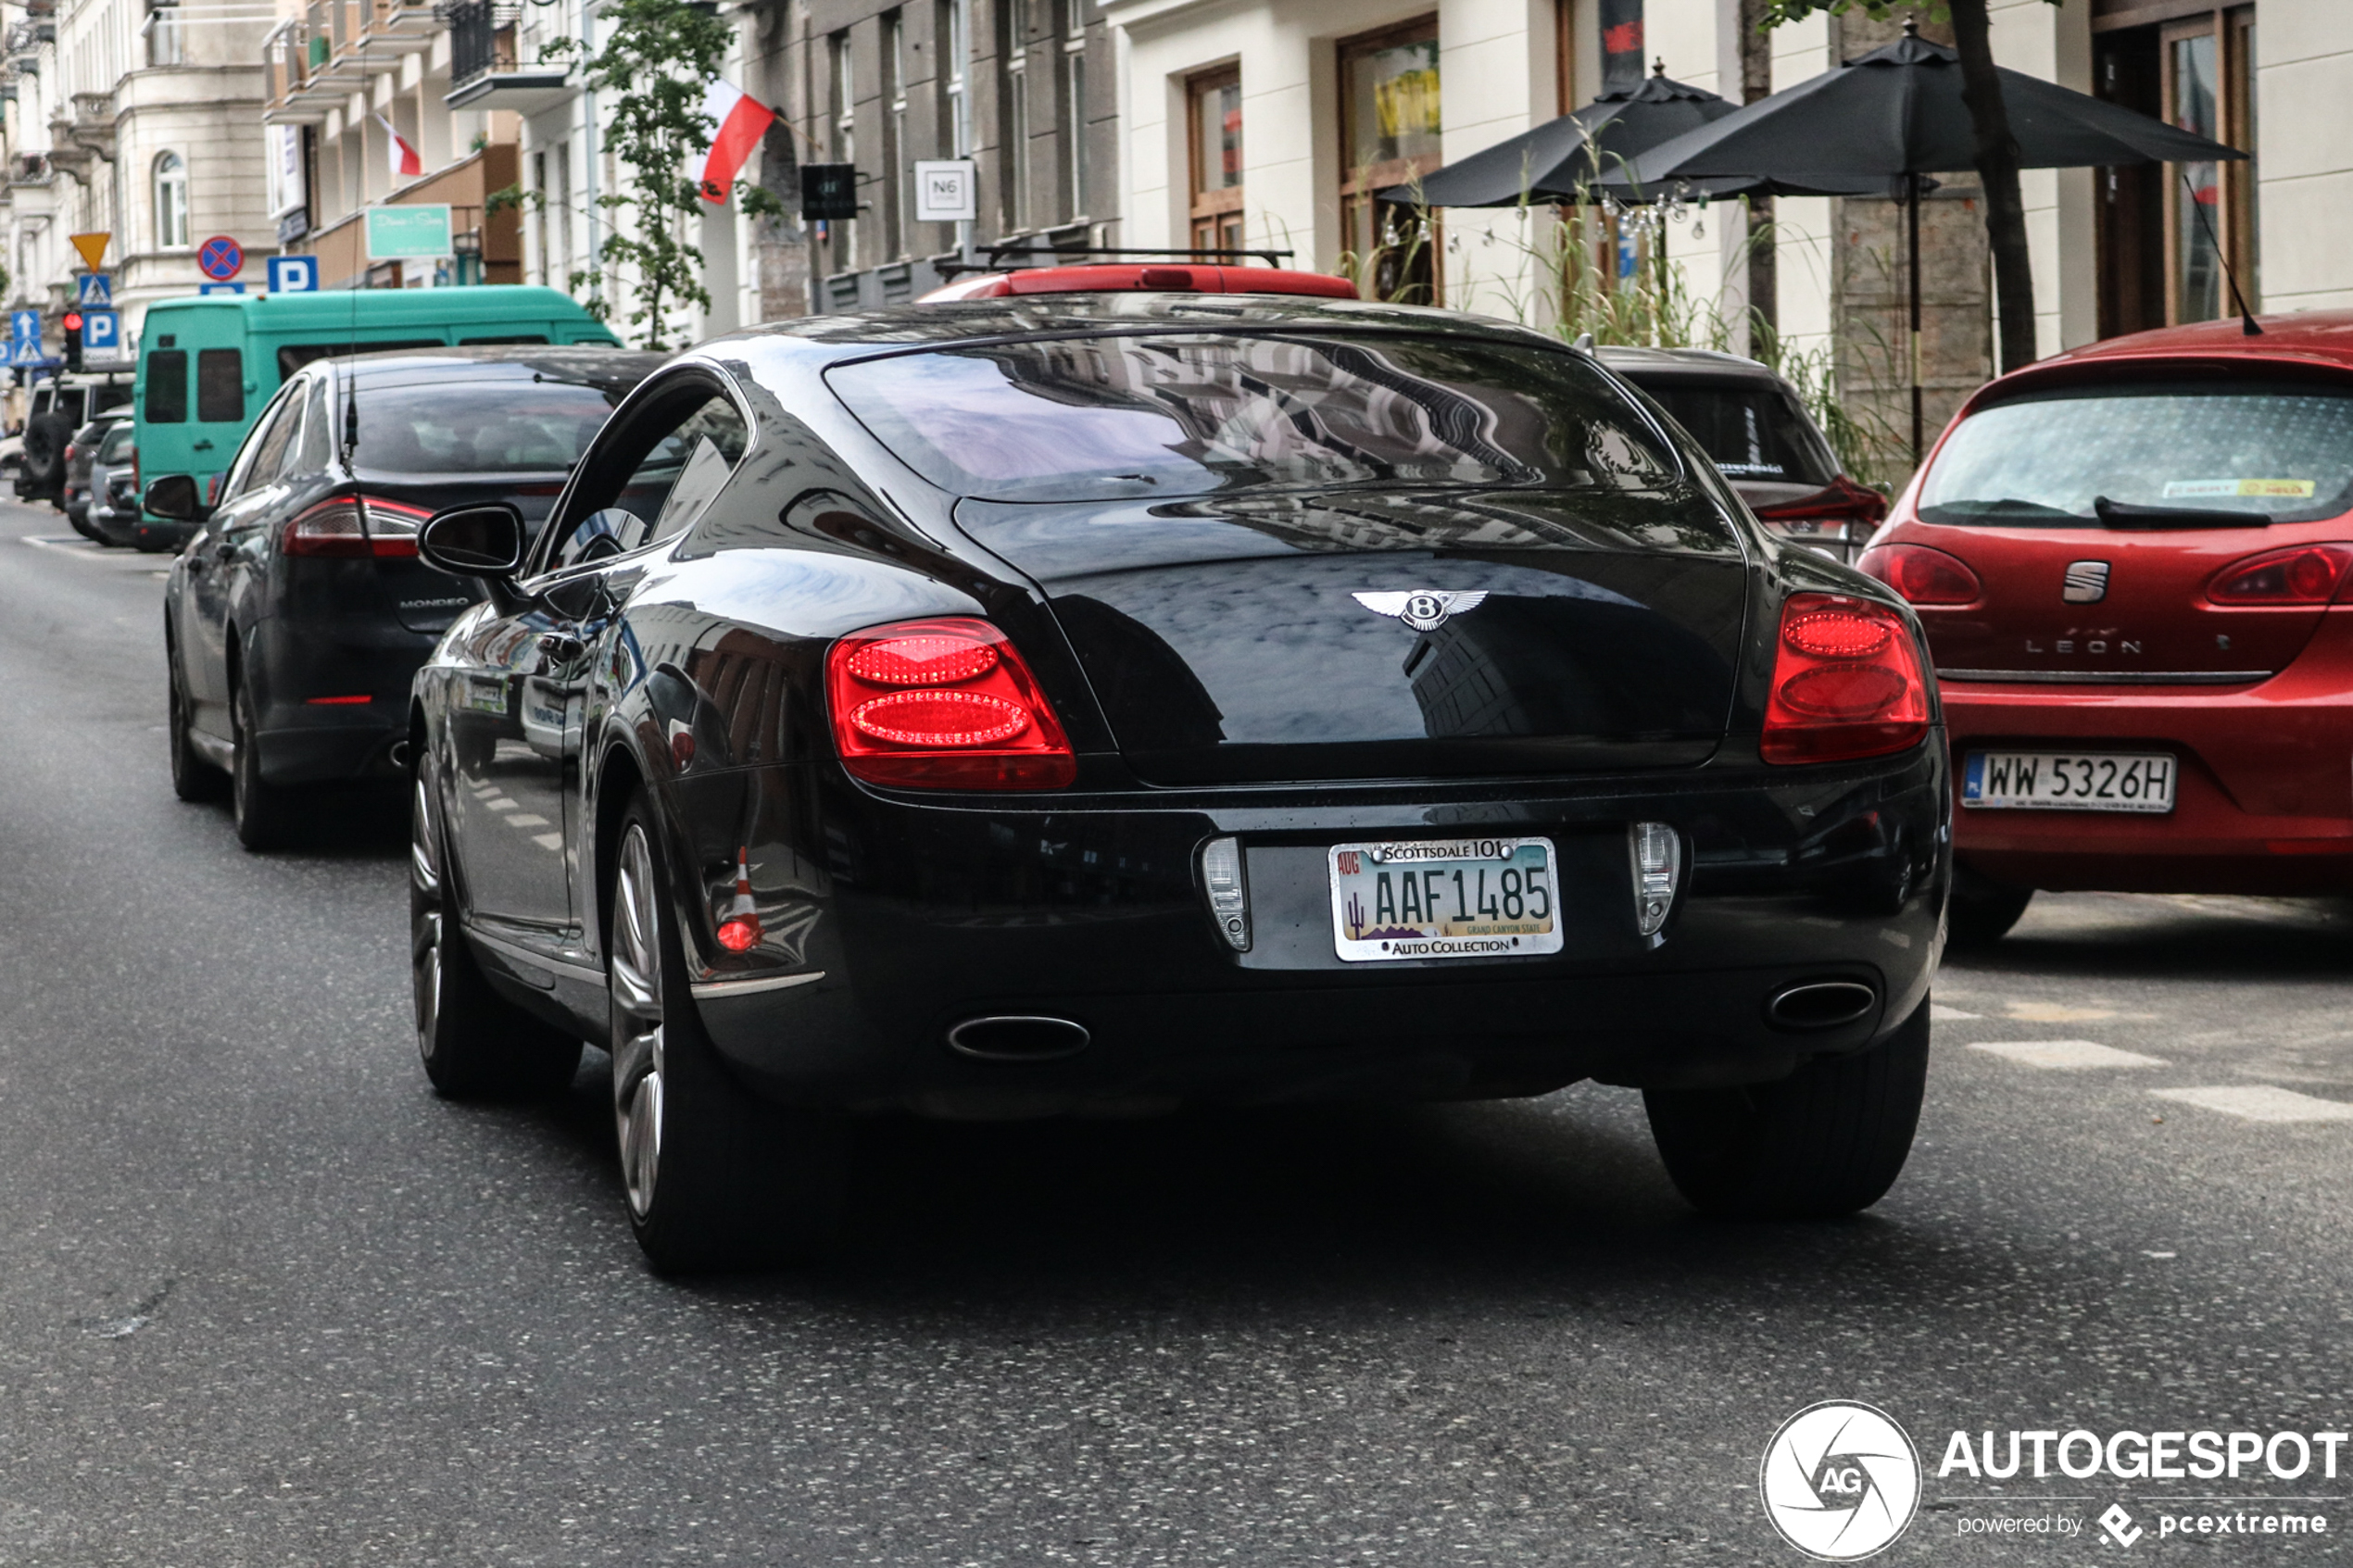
(171, 202)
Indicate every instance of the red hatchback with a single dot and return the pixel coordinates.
(2134, 564)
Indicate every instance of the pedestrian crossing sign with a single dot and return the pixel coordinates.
(26, 351)
(94, 288)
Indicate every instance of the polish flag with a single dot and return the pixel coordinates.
(405, 160)
(740, 120)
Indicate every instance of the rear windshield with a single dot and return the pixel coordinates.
(485, 426)
(220, 384)
(2284, 453)
(116, 445)
(1114, 418)
(167, 386)
(1752, 432)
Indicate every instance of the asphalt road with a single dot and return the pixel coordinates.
(265, 1299)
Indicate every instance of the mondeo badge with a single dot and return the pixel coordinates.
(2087, 583)
(1425, 610)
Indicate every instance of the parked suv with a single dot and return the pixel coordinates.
(1756, 427)
(60, 406)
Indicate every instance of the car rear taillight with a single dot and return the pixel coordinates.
(2302, 574)
(1847, 682)
(1923, 576)
(353, 526)
(944, 704)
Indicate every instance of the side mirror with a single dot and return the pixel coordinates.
(174, 496)
(476, 541)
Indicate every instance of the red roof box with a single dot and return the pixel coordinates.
(1160, 277)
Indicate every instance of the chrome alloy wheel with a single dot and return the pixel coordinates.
(637, 1033)
(424, 942)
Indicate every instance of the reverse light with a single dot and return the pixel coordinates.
(1656, 851)
(1221, 875)
(943, 704)
(354, 526)
(1847, 682)
(1923, 576)
(2301, 574)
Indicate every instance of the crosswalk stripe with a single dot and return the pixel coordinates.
(2069, 1055)
(2261, 1102)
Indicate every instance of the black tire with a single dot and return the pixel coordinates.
(1827, 1140)
(264, 812)
(1981, 911)
(42, 477)
(192, 778)
(715, 1178)
(475, 1043)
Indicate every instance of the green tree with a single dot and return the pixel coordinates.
(655, 63)
(1996, 150)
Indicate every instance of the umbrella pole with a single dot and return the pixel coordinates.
(1912, 248)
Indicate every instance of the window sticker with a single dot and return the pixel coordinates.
(2209, 489)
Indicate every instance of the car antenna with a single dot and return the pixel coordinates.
(2248, 325)
(351, 384)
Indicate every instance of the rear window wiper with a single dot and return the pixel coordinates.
(2124, 514)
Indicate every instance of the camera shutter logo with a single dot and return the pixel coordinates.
(1840, 1481)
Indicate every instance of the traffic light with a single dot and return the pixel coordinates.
(73, 340)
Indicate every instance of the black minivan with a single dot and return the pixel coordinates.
(296, 617)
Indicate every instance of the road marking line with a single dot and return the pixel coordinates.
(1939, 1013)
(525, 821)
(2055, 1012)
(549, 840)
(2064, 1055)
(503, 804)
(2261, 1102)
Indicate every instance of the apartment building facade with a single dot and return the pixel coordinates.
(134, 119)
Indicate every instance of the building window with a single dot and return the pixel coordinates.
(2210, 207)
(955, 80)
(1389, 137)
(1621, 43)
(1074, 107)
(171, 202)
(894, 182)
(1015, 137)
(167, 45)
(844, 141)
(1215, 115)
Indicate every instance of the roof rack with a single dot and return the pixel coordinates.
(1010, 256)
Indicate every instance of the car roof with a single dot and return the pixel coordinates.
(914, 327)
(2308, 342)
(586, 363)
(1179, 277)
(1682, 364)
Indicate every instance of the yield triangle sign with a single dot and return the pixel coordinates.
(93, 247)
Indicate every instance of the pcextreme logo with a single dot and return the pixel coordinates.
(1840, 1481)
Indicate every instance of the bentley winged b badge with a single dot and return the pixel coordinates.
(1425, 610)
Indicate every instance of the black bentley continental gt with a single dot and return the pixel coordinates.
(1074, 704)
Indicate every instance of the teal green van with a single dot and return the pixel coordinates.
(207, 364)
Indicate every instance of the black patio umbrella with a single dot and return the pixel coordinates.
(1562, 160)
(1897, 114)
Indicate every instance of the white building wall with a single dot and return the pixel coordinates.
(2304, 146)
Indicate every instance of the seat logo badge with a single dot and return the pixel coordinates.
(2087, 583)
(1425, 610)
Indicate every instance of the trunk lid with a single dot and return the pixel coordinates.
(420, 598)
(1386, 635)
(2095, 604)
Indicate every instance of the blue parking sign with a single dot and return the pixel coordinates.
(101, 332)
(95, 288)
(294, 275)
(24, 326)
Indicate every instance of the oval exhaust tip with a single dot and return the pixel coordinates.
(1018, 1037)
(1820, 1004)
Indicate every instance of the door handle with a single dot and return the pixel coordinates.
(204, 445)
(560, 650)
